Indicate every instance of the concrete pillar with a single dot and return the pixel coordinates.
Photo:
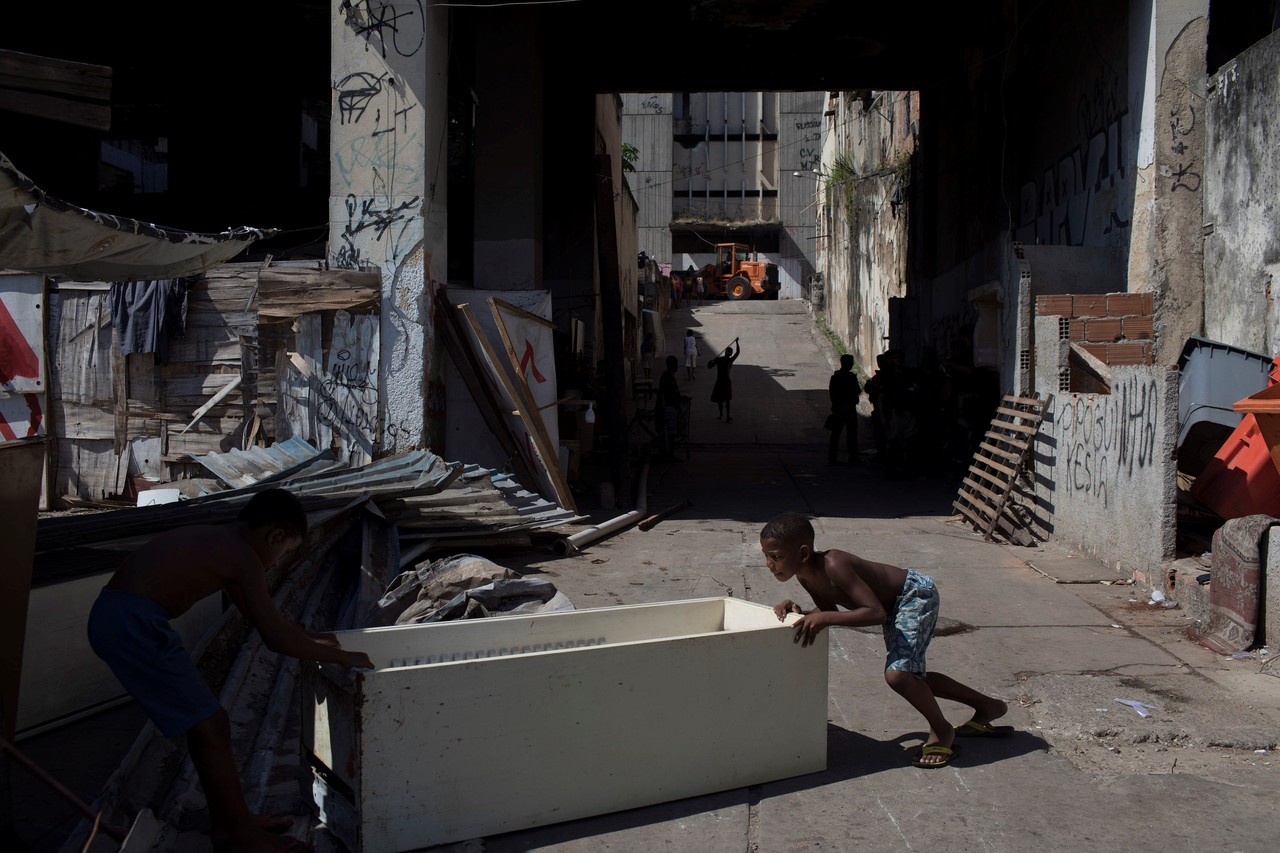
(508, 153)
(1166, 252)
(387, 204)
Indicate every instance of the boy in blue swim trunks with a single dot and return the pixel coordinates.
(129, 629)
(905, 602)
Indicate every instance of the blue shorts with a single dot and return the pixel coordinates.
(132, 634)
(909, 628)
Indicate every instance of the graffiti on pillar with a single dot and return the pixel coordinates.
(381, 142)
(386, 224)
(1108, 438)
(1182, 123)
(1080, 196)
(398, 26)
(355, 93)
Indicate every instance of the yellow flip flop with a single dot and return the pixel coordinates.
(946, 752)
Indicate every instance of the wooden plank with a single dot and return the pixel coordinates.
(483, 392)
(977, 520)
(982, 491)
(1020, 428)
(53, 108)
(1017, 442)
(284, 295)
(33, 73)
(1011, 473)
(349, 388)
(988, 476)
(547, 459)
(988, 447)
(1034, 417)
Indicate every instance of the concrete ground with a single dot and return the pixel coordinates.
(1057, 636)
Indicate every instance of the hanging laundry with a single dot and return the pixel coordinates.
(147, 314)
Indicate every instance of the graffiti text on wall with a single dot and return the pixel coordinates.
(1107, 438)
(1079, 197)
(398, 25)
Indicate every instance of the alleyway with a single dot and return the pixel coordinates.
(1048, 631)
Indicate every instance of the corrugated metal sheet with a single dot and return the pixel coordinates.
(239, 468)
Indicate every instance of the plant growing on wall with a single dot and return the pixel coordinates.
(630, 154)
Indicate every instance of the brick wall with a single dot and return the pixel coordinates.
(1116, 328)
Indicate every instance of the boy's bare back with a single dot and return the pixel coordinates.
(178, 568)
(829, 574)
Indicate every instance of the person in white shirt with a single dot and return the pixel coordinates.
(690, 352)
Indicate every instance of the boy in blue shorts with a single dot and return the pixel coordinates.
(129, 629)
(905, 602)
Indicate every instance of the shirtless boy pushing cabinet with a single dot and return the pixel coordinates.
(129, 629)
(904, 601)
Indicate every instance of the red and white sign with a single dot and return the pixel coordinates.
(22, 384)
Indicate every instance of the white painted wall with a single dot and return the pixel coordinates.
(1104, 471)
(1242, 201)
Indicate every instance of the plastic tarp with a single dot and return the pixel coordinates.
(42, 234)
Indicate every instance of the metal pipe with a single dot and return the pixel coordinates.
(566, 546)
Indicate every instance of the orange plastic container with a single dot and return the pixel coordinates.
(1243, 478)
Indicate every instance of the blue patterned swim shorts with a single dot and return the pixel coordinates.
(909, 628)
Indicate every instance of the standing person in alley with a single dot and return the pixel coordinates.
(844, 391)
(690, 353)
(903, 601)
(667, 409)
(647, 347)
(129, 628)
(722, 391)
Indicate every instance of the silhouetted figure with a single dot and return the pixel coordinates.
(667, 408)
(845, 391)
(722, 391)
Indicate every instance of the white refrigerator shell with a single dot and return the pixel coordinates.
(474, 728)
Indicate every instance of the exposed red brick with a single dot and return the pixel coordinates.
(1138, 328)
(1089, 305)
(1120, 304)
(1057, 305)
(1075, 330)
(1098, 351)
(1148, 303)
(1102, 329)
(1118, 354)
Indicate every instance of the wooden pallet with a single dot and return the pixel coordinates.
(984, 493)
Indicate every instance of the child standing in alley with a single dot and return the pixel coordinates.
(690, 353)
(904, 601)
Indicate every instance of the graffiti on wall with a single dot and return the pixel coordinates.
(1181, 168)
(388, 28)
(810, 158)
(373, 215)
(382, 151)
(1108, 438)
(1078, 200)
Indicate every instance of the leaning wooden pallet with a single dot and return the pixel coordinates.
(984, 493)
